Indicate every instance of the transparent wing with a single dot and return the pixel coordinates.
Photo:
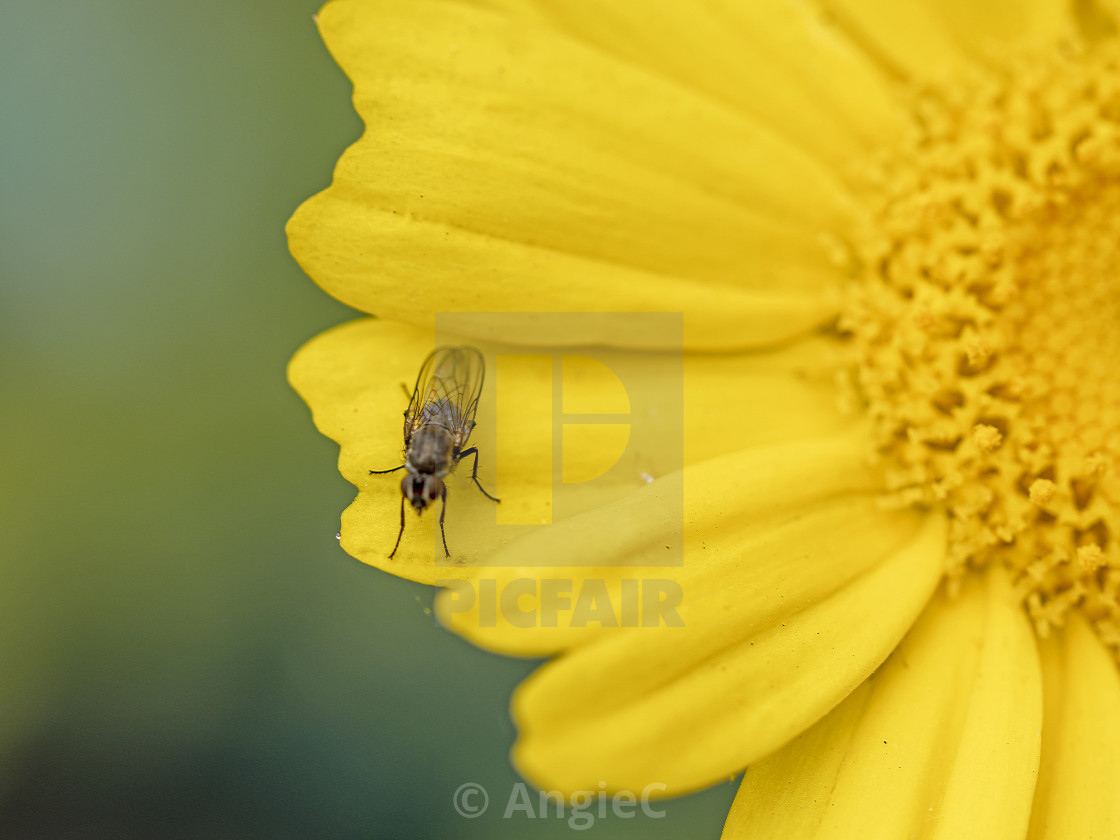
(447, 392)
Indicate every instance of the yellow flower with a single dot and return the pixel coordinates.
(898, 222)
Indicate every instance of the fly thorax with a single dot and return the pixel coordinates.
(430, 450)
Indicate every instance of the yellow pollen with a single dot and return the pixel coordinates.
(1042, 491)
(987, 438)
(1091, 557)
(986, 325)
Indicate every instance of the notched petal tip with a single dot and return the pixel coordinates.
(727, 231)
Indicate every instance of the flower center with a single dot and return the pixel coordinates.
(987, 326)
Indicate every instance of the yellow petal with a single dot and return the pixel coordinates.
(407, 268)
(356, 379)
(987, 27)
(508, 168)
(352, 378)
(789, 793)
(774, 60)
(910, 37)
(738, 401)
(745, 515)
(842, 79)
(943, 742)
(756, 663)
(926, 39)
(1077, 793)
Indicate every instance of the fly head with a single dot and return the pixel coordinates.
(421, 490)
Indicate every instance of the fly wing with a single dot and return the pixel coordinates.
(447, 392)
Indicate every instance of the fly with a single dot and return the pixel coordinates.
(437, 425)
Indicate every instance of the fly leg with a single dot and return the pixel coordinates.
(442, 513)
(474, 473)
(400, 533)
(382, 472)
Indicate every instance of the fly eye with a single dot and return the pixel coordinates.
(435, 489)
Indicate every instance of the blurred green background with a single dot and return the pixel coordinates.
(184, 650)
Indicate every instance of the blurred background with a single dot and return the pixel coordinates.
(184, 650)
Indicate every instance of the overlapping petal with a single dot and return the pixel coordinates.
(926, 39)
(352, 377)
(988, 28)
(780, 62)
(910, 38)
(518, 169)
(757, 661)
(943, 742)
(1076, 794)
(745, 514)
